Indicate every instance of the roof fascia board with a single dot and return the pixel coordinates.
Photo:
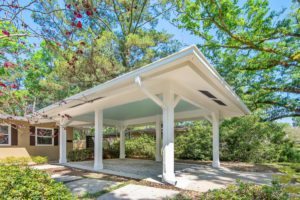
(201, 58)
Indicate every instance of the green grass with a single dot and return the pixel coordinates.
(290, 176)
(102, 192)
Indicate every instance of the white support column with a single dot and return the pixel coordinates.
(168, 137)
(122, 141)
(98, 155)
(158, 139)
(215, 127)
(62, 144)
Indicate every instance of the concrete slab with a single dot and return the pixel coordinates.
(88, 185)
(65, 178)
(189, 176)
(46, 166)
(138, 192)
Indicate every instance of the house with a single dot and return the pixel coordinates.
(180, 87)
(21, 137)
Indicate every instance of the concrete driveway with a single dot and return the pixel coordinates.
(189, 176)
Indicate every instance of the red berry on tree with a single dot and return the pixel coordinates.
(77, 14)
(79, 24)
(68, 6)
(6, 33)
(14, 86)
(89, 13)
(68, 33)
(8, 64)
(2, 84)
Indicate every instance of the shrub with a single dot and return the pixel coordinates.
(80, 154)
(196, 143)
(111, 148)
(40, 159)
(25, 183)
(247, 191)
(250, 140)
(140, 147)
(21, 161)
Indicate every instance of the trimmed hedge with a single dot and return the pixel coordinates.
(25, 183)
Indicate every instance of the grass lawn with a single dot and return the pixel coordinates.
(290, 177)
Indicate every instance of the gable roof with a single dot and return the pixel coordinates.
(190, 54)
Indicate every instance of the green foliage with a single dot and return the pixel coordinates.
(247, 191)
(25, 183)
(80, 154)
(116, 37)
(140, 147)
(290, 172)
(40, 159)
(254, 48)
(19, 161)
(196, 144)
(296, 121)
(111, 148)
(245, 139)
(249, 139)
(13, 66)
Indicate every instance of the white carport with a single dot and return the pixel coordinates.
(180, 87)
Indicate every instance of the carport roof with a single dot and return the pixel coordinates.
(188, 68)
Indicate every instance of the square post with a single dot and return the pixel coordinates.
(98, 155)
(158, 139)
(122, 142)
(215, 129)
(168, 137)
(62, 144)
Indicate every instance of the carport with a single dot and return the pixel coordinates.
(180, 87)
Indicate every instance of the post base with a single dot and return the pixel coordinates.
(62, 161)
(216, 164)
(169, 178)
(98, 167)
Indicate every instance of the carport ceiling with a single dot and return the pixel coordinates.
(134, 110)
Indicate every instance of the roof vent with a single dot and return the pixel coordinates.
(219, 102)
(208, 94)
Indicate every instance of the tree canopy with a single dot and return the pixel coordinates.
(254, 48)
(52, 49)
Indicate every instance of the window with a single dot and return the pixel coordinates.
(5, 135)
(44, 136)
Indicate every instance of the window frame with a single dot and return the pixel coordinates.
(9, 135)
(36, 136)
